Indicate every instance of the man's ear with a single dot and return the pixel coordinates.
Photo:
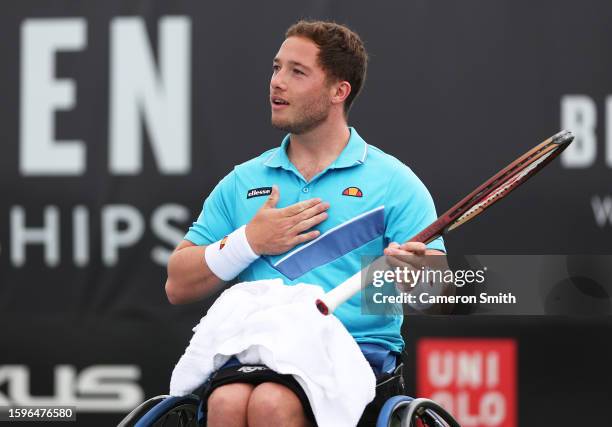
(342, 90)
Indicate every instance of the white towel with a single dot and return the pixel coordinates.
(267, 322)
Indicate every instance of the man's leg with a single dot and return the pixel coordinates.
(273, 404)
(227, 405)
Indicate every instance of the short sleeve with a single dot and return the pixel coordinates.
(409, 208)
(215, 220)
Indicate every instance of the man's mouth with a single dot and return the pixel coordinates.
(278, 101)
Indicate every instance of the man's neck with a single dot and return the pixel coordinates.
(314, 151)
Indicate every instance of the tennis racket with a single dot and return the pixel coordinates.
(486, 195)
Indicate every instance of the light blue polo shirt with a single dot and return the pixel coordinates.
(374, 199)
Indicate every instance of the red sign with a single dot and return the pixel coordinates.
(474, 379)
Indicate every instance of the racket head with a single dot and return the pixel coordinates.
(497, 187)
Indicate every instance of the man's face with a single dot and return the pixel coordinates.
(300, 95)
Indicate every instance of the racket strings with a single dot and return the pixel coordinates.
(496, 183)
(507, 184)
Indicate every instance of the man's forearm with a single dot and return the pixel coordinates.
(189, 277)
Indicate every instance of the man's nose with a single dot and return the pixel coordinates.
(278, 81)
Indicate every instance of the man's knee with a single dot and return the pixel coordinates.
(228, 403)
(275, 404)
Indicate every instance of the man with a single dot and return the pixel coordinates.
(305, 212)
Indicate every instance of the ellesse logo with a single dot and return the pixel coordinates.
(249, 369)
(222, 243)
(352, 191)
(258, 192)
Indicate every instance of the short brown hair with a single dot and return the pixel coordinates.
(341, 52)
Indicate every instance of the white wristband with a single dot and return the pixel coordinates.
(230, 255)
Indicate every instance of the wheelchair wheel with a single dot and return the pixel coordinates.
(404, 411)
(138, 412)
(171, 411)
(423, 409)
(391, 412)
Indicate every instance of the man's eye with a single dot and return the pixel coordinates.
(297, 71)
(275, 68)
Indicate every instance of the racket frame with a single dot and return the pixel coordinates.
(553, 145)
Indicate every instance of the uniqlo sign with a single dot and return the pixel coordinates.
(474, 379)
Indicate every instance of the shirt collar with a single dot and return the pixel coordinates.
(355, 153)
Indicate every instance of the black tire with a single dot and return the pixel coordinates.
(169, 412)
(137, 413)
(419, 408)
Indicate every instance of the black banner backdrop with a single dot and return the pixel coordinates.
(118, 118)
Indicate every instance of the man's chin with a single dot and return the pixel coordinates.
(282, 125)
(298, 128)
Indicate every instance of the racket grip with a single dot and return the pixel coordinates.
(341, 293)
(345, 290)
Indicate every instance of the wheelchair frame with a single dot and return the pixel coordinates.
(186, 411)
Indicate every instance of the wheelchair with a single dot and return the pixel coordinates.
(187, 411)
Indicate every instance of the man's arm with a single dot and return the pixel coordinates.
(189, 278)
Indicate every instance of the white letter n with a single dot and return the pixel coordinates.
(161, 97)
